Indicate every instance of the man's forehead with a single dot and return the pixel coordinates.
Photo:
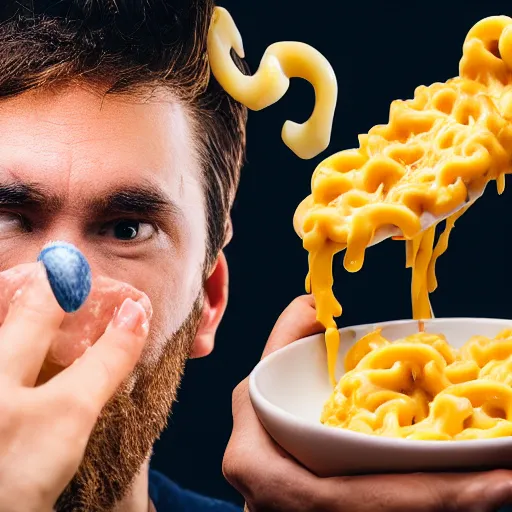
(75, 136)
(79, 101)
(77, 117)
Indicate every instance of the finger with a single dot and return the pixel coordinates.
(421, 492)
(93, 378)
(33, 320)
(297, 321)
(250, 449)
(484, 492)
(260, 469)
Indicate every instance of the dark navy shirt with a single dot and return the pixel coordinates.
(169, 497)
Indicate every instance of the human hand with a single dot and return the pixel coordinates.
(271, 480)
(44, 430)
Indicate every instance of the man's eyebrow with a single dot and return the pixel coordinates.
(144, 199)
(17, 193)
(135, 200)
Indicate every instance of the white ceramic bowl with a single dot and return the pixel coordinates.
(289, 387)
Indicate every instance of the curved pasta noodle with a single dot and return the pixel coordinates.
(280, 62)
(421, 388)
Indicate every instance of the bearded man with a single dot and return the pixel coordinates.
(115, 138)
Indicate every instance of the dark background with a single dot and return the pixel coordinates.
(380, 51)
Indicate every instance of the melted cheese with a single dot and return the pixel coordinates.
(449, 140)
(421, 388)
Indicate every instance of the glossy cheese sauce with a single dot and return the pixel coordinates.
(437, 151)
(421, 388)
(449, 140)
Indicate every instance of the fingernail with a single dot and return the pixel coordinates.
(131, 316)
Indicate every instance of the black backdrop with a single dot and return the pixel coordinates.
(380, 51)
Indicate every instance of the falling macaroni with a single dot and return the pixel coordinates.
(269, 84)
(421, 388)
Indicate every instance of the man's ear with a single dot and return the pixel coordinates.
(215, 302)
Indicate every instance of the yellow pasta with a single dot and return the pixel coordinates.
(421, 388)
(437, 151)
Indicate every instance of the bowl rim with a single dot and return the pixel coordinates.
(259, 401)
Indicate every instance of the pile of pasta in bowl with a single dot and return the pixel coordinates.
(419, 387)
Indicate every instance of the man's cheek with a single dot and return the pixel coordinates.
(172, 294)
(80, 330)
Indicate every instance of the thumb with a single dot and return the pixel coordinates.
(297, 321)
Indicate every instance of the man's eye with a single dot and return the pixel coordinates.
(10, 223)
(128, 230)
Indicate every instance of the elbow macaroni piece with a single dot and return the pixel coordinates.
(450, 140)
(269, 84)
(421, 388)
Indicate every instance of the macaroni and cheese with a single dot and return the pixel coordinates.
(437, 150)
(421, 388)
(428, 164)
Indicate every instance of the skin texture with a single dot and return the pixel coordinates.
(271, 480)
(80, 329)
(77, 147)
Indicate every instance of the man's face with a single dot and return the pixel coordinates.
(78, 150)
(120, 179)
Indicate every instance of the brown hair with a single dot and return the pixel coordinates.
(130, 45)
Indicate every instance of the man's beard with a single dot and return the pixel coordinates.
(128, 427)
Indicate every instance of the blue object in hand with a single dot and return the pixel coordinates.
(69, 274)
